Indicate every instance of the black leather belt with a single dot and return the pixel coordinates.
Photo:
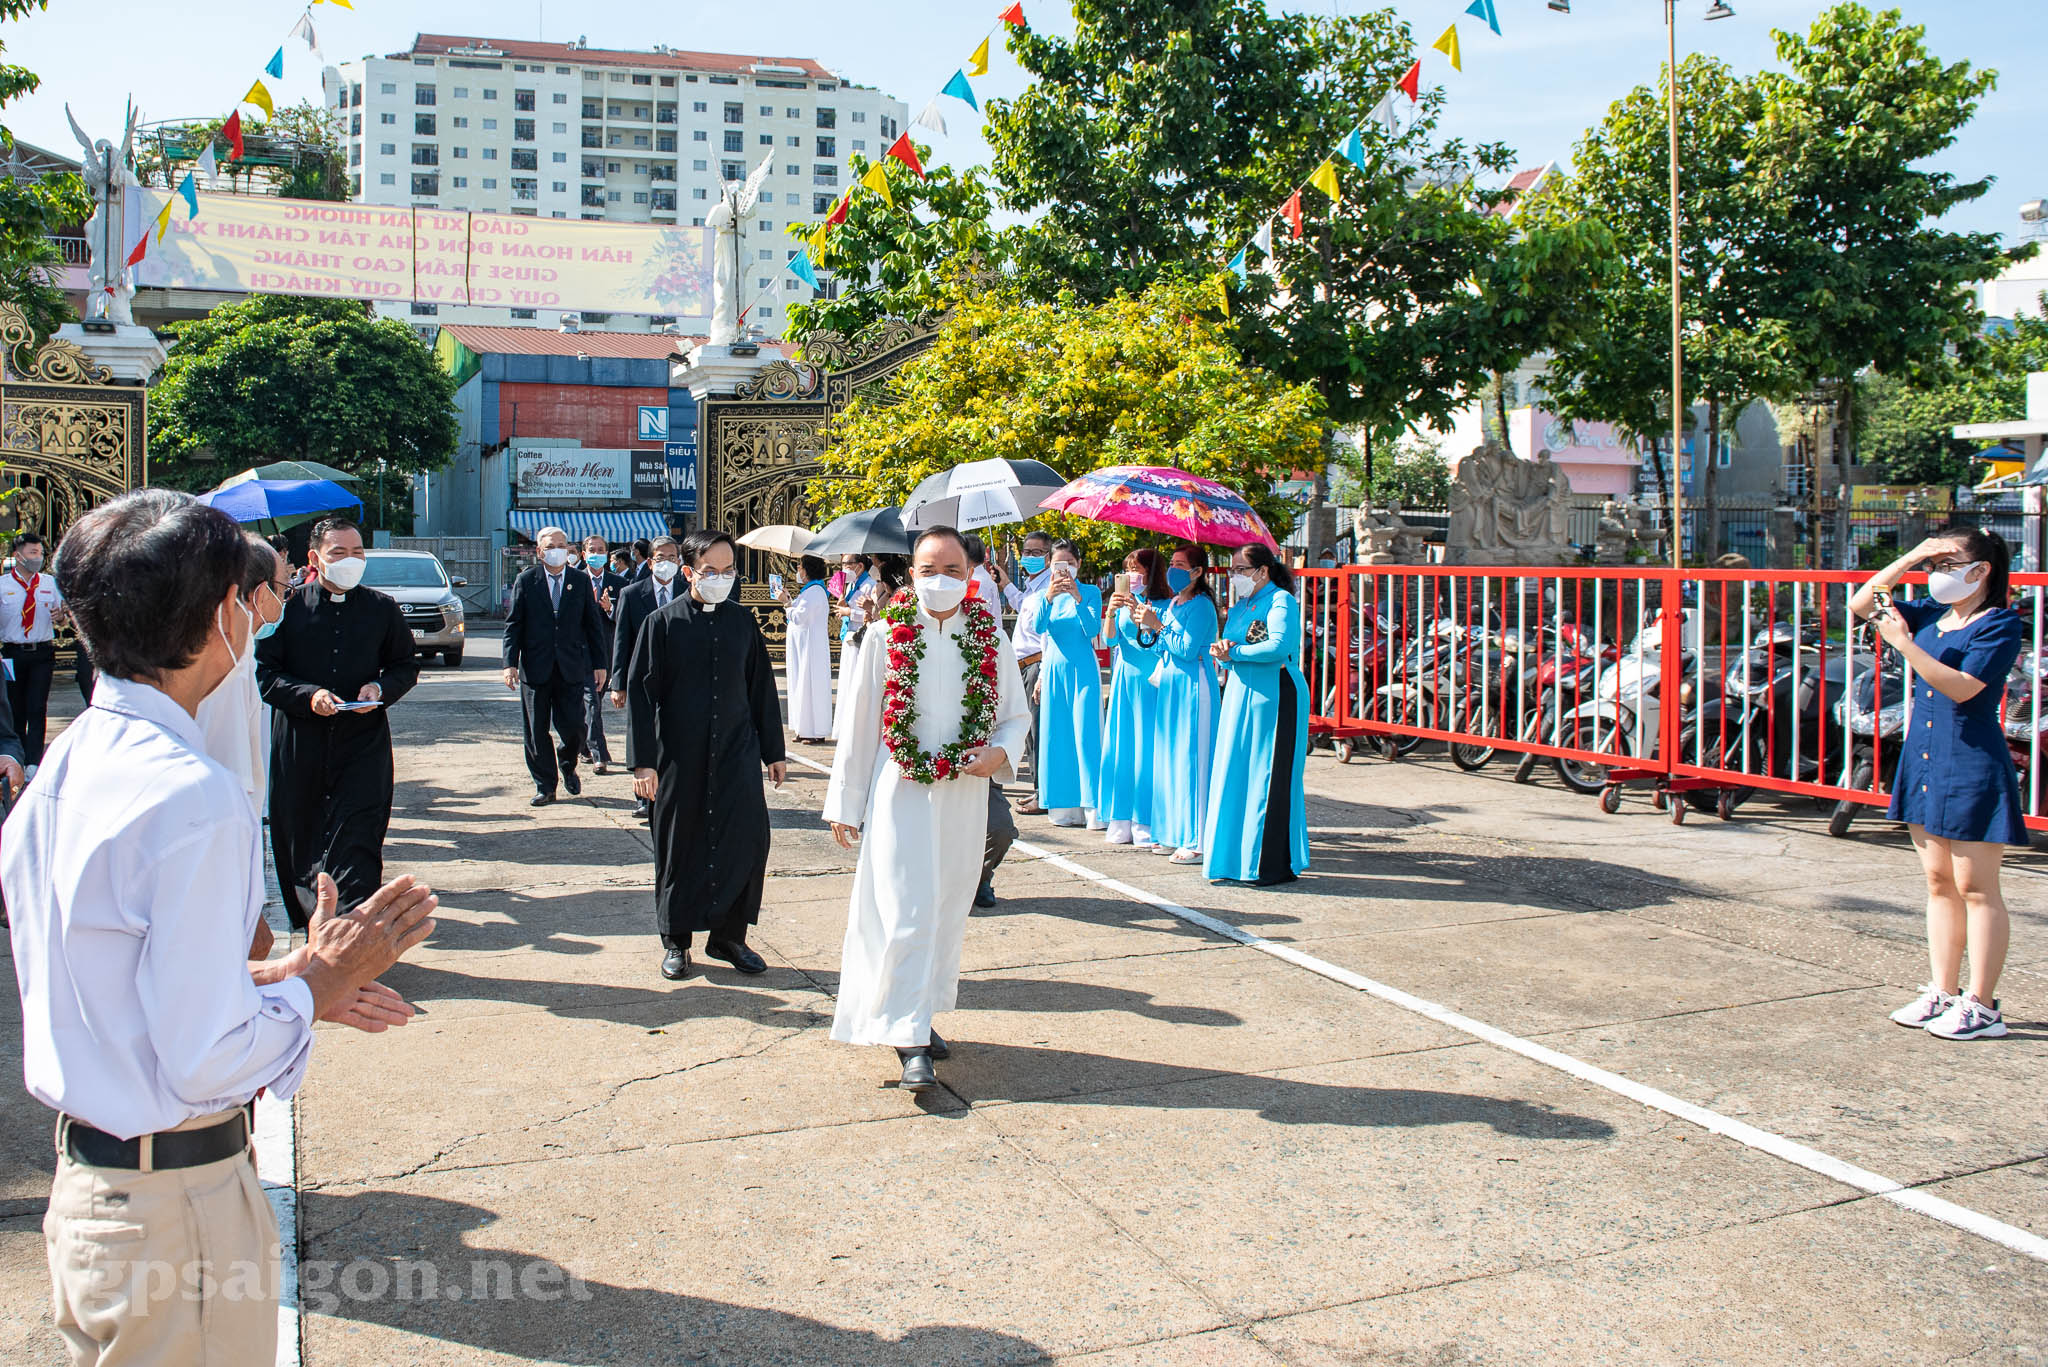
(29, 647)
(81, 1143)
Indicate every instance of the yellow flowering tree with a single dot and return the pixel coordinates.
(1150, 379)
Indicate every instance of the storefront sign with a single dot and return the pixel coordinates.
(681, 457)
(650, 478)
(572, 474)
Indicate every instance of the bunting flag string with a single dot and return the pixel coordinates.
(800, 266)
(1292, 209)
(274, 68)
(1448, 45)
(1354, 149)
(1410, 83)
(905, 151)
(1324, 178)
(932, 117)
(304, 29)
(163, 221)
(1483, 9)
(232, 131)
(208, 165)
(1013, 16)
(960, 90)
(878, 180)
(1239, 269)
(189, 188)
(977, 65)
(260, 97)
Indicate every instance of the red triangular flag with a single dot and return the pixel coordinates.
(902, 150)
(1292, 208)
(1014, 15)
(232, 131)
(839, 211)
(141, 250)
(1411, 83)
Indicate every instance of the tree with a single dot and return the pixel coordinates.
(1145, 380)
(274, 378)
(1904, 424)
(891, 263)
(32, 211)
(1164, 129)
(297, 155)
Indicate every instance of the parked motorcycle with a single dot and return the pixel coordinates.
(1873, 714)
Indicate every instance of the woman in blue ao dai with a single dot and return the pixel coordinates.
(1067, 614)
(1125, 789)
(1257, 826)
(1184, 738)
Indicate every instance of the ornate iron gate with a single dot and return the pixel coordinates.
(766, 441)
(70, 437)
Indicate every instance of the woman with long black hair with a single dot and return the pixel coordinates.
(1956, 787)
(1257, 827)
(1184, 744)
(1124, 791)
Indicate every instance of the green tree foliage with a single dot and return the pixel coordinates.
(1904, 424)
(31, 212)
(275, 378)
(1145, 380)
(894, 261)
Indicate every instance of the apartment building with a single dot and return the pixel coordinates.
(565, 130)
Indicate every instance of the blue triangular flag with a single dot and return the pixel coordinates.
(800, 266)
(1237, 267)
(1354, 149)
(1483, 9)
(960, 90)
(275, 67)
(190, 190)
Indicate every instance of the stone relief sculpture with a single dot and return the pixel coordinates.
(1381, 537)
(1507, 511)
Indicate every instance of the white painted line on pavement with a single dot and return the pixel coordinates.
(277, 1159)
(1813, 1160)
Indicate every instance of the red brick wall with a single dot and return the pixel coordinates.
(596, 416)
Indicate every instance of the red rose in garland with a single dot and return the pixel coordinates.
(979, 656)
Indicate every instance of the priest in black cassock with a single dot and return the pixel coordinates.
(330, 764)
(702, 719)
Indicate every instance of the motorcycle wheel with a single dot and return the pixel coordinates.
(1581, 776)
(1845, 811)
(1525, 769)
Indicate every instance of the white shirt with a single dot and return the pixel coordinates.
(234, 728)
(134, 881)
(14, 587)
(1026, 641)
(987, 591)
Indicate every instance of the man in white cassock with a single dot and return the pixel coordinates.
(918, 745)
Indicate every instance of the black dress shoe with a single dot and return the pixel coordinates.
(918, 1074)
(736, 954)
(572, 783)
(939, 1048)
(542, 797)
(985, 895)
(643, 810)
(675, 965)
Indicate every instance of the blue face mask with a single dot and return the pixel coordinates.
(1033, 564)
(263, 630)
(1178, 579)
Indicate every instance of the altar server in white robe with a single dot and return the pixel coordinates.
(809, 614)
(920, 842)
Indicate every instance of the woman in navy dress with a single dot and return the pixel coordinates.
(1956, 788)
(1257, 825)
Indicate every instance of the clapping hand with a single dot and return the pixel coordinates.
(344, 954)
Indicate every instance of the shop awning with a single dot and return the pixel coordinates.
(617, 528)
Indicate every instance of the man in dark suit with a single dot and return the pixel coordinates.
(555, 647)
(597, 564)
(643, 552)
(641, 600)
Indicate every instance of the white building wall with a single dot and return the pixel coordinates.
(664, 146)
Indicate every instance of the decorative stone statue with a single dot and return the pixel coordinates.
(1382, 537)
(728, 221)
(107, 172)
(1474, 534)
(1506, 511)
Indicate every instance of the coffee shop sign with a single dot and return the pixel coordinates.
(1561, 434)
(573, 474)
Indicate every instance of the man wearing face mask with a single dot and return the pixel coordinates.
(233, 720)
(30, 608)
(638, 601)
(556, 646)
(340, 657)
(702, 719)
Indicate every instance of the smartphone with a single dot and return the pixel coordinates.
(1884, 599)
(357, 706)
(1123, 583)
(774, 583)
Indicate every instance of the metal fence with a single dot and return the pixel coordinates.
(465, 557)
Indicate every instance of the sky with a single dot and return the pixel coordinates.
(1536, 87)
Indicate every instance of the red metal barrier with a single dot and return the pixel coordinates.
(1754, 680)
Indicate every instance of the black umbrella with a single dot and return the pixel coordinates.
(873, 531)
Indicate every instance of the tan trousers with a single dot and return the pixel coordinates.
(163, 1269)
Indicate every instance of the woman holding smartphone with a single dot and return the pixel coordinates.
(1128, 736)
(1257, 826)
(1184, 743)
(1067, 615)
(1956, 788)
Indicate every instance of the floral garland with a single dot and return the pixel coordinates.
(899, 692)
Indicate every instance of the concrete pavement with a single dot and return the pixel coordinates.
(1156, 1145)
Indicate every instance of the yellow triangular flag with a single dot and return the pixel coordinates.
(1223, 293)
(1325, 179)
(878, 182)
(977, 65)
(163, 220)
(260, 97)
(343, 3)
(816, 239)
(1448, 45)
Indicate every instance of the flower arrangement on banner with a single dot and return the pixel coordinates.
(1392, 113)
(933, 116)
(259, 97)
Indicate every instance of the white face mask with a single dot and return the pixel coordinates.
(554, 557)
(712, 588)
(234, 659)
(1243, 586)
(344, 573)
(664, 570)
(1953, 586)
(940, 593)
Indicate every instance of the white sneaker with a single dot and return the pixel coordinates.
(1968, 1018)
(1929, 1005)
(1119, 833)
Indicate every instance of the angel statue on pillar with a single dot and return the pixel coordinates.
(728, 222)
(107, 173)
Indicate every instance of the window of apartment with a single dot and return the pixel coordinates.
(525, 159)
(639, 196)
(700, 136)
(459, 122)
(722, 80)
(561, 97)
(387, 149)
(388, 88)
(664, 142)
(639, 139)
(355, 156)
(355, 94)
(828, 118)
(735, 113)
(387, 179)
(560, 158)
(423, 94)
(355, 125)
(387, 118)
(558, 129)
(618, 78)
(461, 92)
(426, 156)
(767, 111)
(828, 147)
(698, 193)
(459, 182)
(615, 140)
(860, 144)
(792, 283)
(699, 107)
(522, 130)
(522, 314)
(592, 218)
(490, 154)
(592, 109)
(490, 94)
(560, 187)
(612, 196)
(890, 129)
(426, 310)
(523, 99)
(822, 174)
(525, 188)
(700, 166)
(592, 138)
(735, 140)
(423, 125)
(767, 227)
(767, 311)
(821, 204)
(860, 116)
(639, 79)
(426, 185)
(490, 125)
(796, 142)
(793, 169)
(614, 167)
(696, 222)
(559, 71)
(615, 111)
(792, 113)
(489, 183)
(765, 282)
(733, 170)
(459, 153)
(639, 168)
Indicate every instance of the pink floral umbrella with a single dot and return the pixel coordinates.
(1159, 498)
